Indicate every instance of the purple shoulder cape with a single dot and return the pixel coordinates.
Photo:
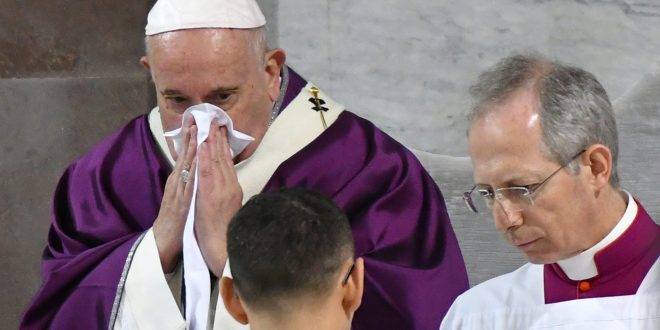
(107, 199)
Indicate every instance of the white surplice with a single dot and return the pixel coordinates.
(517, 300)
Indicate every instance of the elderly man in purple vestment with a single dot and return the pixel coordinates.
(544, 145)
(122, 220)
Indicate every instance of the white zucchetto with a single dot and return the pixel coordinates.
(172, 15)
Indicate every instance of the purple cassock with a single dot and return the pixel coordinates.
(108, 198)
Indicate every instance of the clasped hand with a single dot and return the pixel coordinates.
(219, 197)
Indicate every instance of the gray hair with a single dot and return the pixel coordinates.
(255, 37)
(259, 42)
(575, 111)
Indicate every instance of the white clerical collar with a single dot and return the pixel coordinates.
(583, 266)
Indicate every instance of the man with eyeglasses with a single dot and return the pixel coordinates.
(293, 263)
(544, 145)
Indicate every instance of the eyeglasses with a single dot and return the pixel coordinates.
(515, 198)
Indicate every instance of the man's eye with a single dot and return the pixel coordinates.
(485, 193)
(176, 99)
(224, 97)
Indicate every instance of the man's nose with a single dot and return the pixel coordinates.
(506, 215)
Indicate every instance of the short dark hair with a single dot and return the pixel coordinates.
(287, 244)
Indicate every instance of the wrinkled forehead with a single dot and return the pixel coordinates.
(221, 43)
(201, 56)
(506, 141)
(198, 62)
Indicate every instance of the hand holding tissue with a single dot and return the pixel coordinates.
(216, 185)
(203, 114)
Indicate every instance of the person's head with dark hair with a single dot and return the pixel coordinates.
(292, 263)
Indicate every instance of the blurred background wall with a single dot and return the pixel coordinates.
(69, 75)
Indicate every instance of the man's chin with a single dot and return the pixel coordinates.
(539, 259)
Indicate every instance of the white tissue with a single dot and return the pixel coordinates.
(196, 273)
(204, 113)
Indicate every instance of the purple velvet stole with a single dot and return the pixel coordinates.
(622, 265)
(107, 199)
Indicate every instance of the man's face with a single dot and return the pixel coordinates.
(216, 66)
(505, 147)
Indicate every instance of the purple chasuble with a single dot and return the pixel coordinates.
(103, 203)
(413, 266)
(107, 199)
(622, 265)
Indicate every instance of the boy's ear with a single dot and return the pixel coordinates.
(353, 288)
(232, 301)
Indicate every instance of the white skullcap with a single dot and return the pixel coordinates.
(172, 15)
